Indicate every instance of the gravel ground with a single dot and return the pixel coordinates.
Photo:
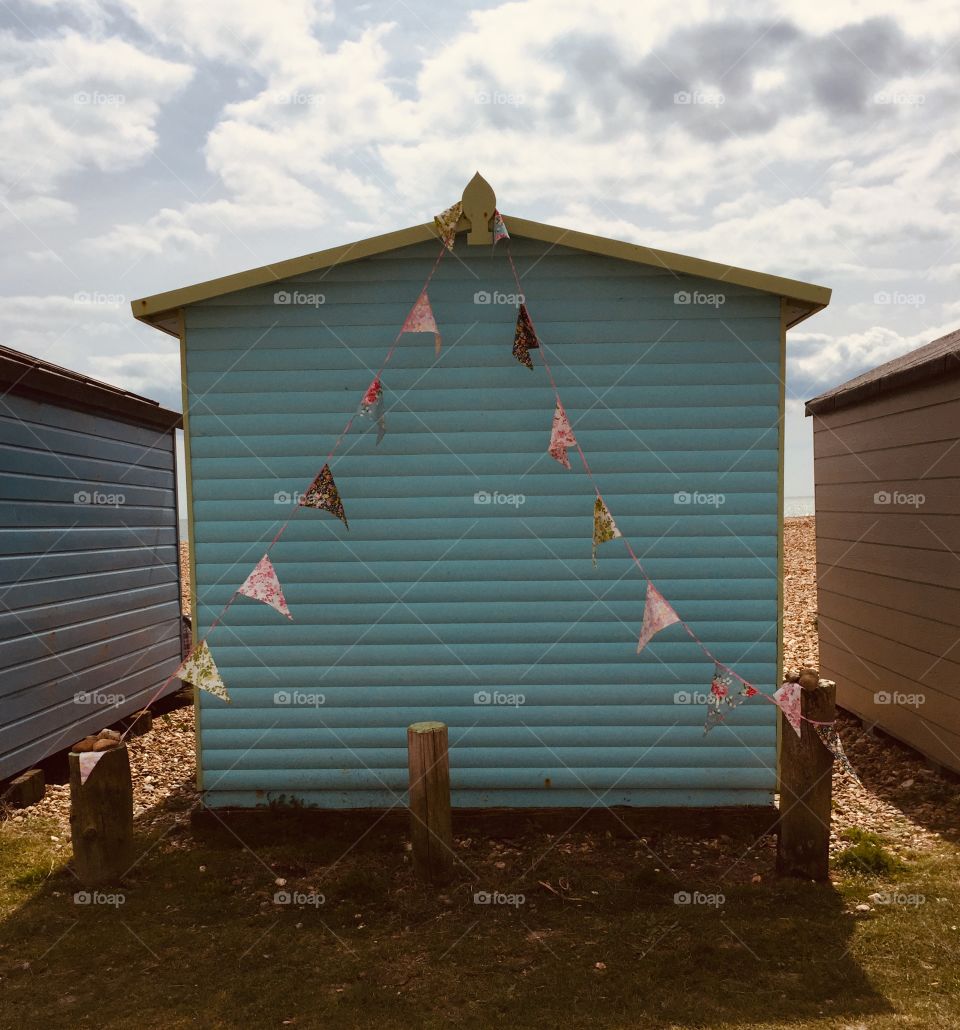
(899, 797)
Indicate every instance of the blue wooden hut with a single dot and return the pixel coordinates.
(89, 570)
(464, 589)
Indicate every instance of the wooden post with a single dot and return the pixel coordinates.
(101, 818)
(430, 829)
(806, 780)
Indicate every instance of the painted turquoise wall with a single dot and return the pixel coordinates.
(432, 598)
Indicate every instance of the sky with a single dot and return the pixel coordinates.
(149, 144)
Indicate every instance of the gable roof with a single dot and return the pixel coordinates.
(33, 377)
(933, 360)
(803, 299)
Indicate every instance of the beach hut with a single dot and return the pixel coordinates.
(464, 590)
(887, 475)
(90, 614)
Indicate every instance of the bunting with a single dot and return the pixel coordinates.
(421, 320)
(323, 494)
(372, 404)
(524, 338)
(561, 436)
(721, 698)
(604, 528)
(499, 229)
(88, 761)
(658, 613)
(787, 699)
(831, 741)
(446, 223)
(263, 585)
(201, 670)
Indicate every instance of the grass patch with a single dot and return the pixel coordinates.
(867, 855)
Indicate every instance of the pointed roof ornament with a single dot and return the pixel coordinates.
(479, 203)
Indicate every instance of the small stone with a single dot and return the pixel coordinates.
(104, 744)
(863, 907)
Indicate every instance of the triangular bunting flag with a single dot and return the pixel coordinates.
(604, 528)
(499, 229)
(657, 615)
(561, 437)
(372, 404)
(262, 585)
(446, 223)
(201, 670)
(722, 698)
(88, 760)
(524, 338)
(323, 494)
(421, 320)
(831, 741)
(787, 699)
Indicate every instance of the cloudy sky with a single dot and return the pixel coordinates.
(148, 144)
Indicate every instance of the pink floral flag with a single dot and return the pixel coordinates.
(787, 699)
(262, 585)
(499, 229)
(604, 528)
(658, 613)
(561, 437)
(724, 696)
(421, 320)
(446, 223)
(372, 405)
(323, 494)
(88, 761)
(524, 338)
(201, 670)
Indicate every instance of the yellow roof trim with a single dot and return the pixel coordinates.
(803, 299)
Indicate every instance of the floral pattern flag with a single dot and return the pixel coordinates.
(263, 585)
(201, 670)
(787, 699)
(446, 223)
(499, 229)
(88, 761)
(604, 528)
(722, 699)
(372, 405)
(323, 494)
(561, 437)
(658, 613)
(524, 338)
(831, 741)
(421, 320)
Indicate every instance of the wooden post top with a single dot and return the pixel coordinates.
(426, 727)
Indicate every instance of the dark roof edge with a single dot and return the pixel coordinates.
(897, 378)
(28, 376)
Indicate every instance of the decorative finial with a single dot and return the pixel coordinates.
(479, 202)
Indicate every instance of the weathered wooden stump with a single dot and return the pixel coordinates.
(806, 781)
(101, 818)
(430, 827)
(26, 789)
